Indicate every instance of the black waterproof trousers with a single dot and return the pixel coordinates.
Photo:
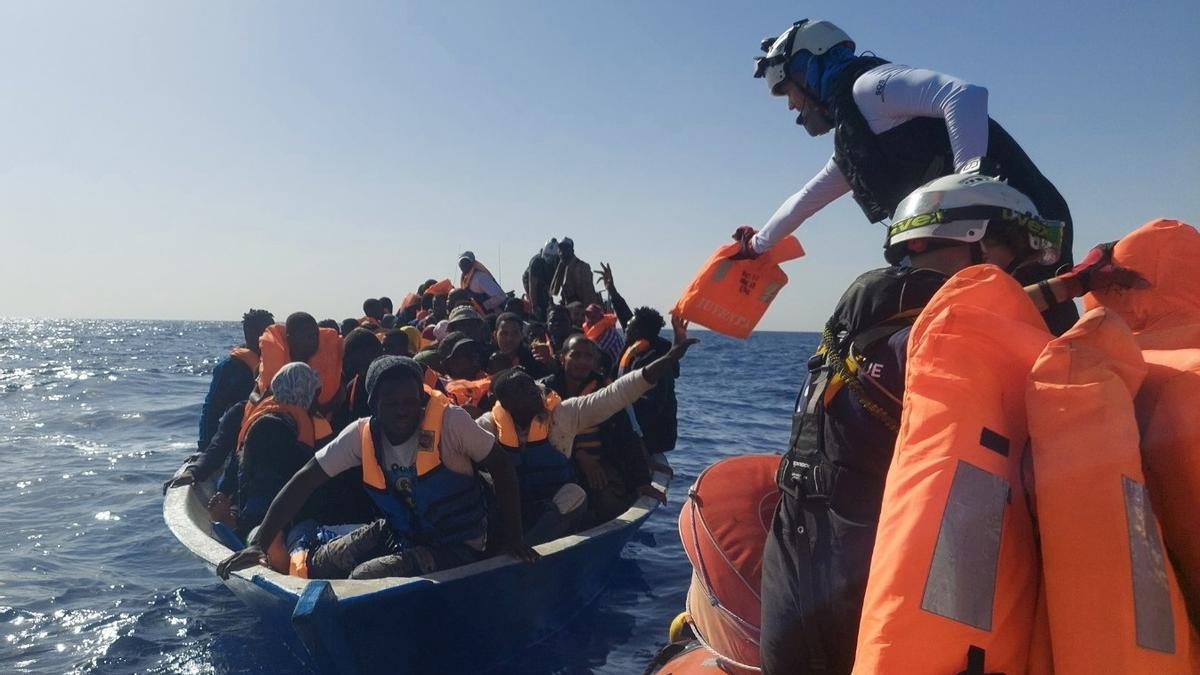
(814, 577)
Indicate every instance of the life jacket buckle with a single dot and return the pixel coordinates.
(804, 480)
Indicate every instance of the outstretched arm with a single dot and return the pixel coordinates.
(1096, 272)
(826, 186)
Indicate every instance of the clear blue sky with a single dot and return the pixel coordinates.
(190, 160)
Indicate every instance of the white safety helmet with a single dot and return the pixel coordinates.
(814, 37)
(959, 207)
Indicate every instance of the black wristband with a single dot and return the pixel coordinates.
(1047, 293)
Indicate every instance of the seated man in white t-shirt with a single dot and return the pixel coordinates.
(417, 450)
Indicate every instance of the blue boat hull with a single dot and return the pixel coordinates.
(462, 620)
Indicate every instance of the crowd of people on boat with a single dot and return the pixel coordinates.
(463, 422)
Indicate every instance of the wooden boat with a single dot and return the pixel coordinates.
(457, 620)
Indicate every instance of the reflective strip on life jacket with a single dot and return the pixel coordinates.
(955, 562)
(1165, 319)
(327, 361)
(1093, 511)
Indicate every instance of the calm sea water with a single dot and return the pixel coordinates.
(94, 415)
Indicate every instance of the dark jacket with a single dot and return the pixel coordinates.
(620, 445)
(232, 381)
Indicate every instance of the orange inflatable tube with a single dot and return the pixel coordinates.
(723, 526)
(954, 576)
(327, 361)
(1096, 526)
(1165, 319)
(731, 296)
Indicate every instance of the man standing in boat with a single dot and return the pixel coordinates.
(895, 128)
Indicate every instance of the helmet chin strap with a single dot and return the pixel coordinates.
(976, 253)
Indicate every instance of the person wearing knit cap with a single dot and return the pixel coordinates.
(407, 419)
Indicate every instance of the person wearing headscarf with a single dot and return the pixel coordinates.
(279, 434)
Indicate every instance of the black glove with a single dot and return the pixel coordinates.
(743, 235)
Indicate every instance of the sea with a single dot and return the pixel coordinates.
(96, 414)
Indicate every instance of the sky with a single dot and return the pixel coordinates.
(191, 160)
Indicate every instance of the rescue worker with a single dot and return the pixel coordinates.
(233, 377)
(895, 128)
(538, 429)
(480, 283)
(416, 450)
(818, 550)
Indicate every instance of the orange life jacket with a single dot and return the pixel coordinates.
(246, 356)
(469, 392)
(1097, 529)
(730, 296)
(632, 352)
(465, 279)
(539, 429)
(442, 287)
(309, 428)
(595, 330)
(1165, 319)
(955, 563)
(327, 361)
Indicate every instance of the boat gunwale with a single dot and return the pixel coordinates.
(187, 518)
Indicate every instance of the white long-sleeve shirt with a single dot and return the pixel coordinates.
(888, 96)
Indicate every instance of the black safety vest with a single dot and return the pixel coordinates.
(831, 456)
(882, 169)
